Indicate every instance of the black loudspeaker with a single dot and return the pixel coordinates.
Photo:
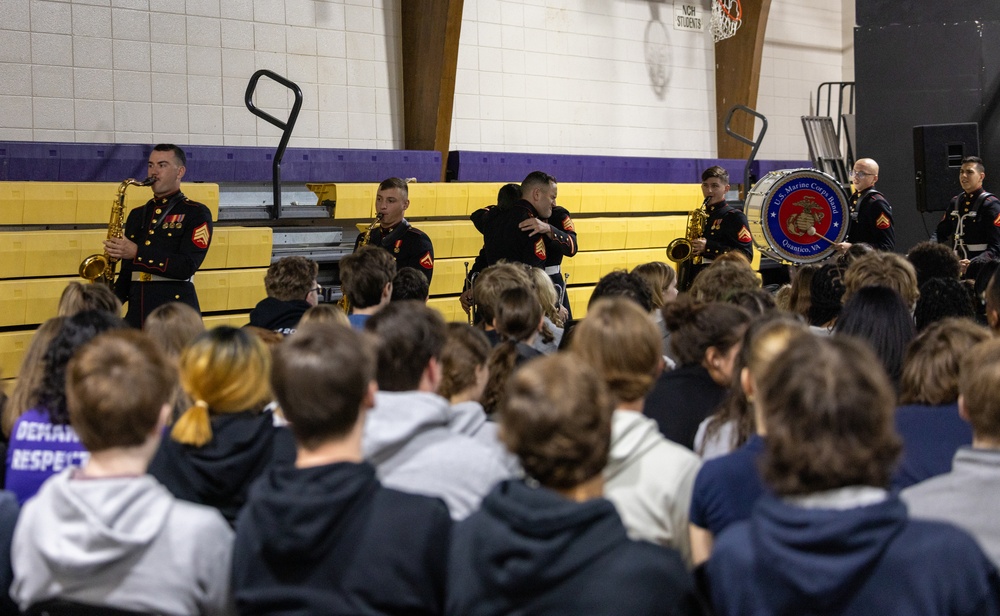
(938, 150)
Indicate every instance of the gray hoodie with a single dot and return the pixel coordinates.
(409, 439)
(121, 542)
(650, 479)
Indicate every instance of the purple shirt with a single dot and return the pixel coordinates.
(39, 449)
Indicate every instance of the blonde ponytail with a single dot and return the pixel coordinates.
(194, 426)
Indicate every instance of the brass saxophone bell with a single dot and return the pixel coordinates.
(93, 267)
(679, 250)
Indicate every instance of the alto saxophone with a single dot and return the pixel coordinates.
(101, 268)
(366, 238)
(681, 249)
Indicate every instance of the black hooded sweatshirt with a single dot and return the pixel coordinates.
(277, 315)
(219, 473)
(532, 551)
(332, 540)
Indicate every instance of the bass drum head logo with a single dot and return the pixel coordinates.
(805, 216)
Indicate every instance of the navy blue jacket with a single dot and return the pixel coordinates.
(531, 551)
(332, 540)
(865, 560)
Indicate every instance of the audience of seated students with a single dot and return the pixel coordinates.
(832, 539)
(410, 283)
(107, 534)
(882, 269)
(366, 281)
(549, 543)
(323, 536)
(880, 317)
(324, 313)
(464, 373)
(292, 289)
(78, 297)
(941, 298)
(648, 478)
(728, 486)
(662, 280)
(800, 297)
(968, 495)
(618, 283)
(408, 435)
(486, 291)
(42, 441)
(933, 260)
(756, 302)
(987, 271)
(518, 320)
(172, 327)
(991, 302)
(30, 375)
(705, 338)
(928, 419)
(826, 295)
(553, 313)
(855, 252)
(725, 278)
(225, 439)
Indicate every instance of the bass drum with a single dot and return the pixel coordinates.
(797, 215)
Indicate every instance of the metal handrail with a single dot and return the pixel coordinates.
(746, 140)
(286, 127)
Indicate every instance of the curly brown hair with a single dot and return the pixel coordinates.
(556, 419)
(931, 365)
(290, 278)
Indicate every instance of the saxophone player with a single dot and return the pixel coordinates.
(164, 243)
(726, 226)
(409, 246)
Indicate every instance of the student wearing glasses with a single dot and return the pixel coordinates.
(871, 214)
(291, 290)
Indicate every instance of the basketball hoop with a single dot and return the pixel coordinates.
(727, 16)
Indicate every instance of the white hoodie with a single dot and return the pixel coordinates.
(650, 479)
(409, 439)
(121, 542)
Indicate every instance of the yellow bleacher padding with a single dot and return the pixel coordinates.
(423, 198)
(449, 307)
(218, 250)
(571, 196)
(635, 258)
(442, 234)
(249, 246)
(7, 385)
(584, 268)
(232, 320)
(593, 199)
(135, 196)
(578, 298)
(612, 260)
(94, 201)
(13, 346)
(453, 199)
(643, 198)
(482, 194)
(234, 289)
(59, 253)
(639, 233)
(11, 203)
(449, 276)
(353, 200)
(41, 297)
(677, 197)
(51, 202)
(13, 302)
(614, 232)
(13, 249)
(619, 198)
(588, 231)
(468, 241)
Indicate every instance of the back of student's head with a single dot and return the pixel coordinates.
(697, 326)
(410, 283)
(659, 276)
(518, 314)
(321, 375)
(755, 301)
(880, 317)
(941, 298)
(722, 279)
(980, 373)
(826, 294)
(364, 274)
(29, 377)
(827, 407)
(291, 278)
(224, 370)
(409, 335)
(931, 364)
(78, 297)
(933, 260)
(76, 331)
(882, 269)
(492, 282)
(621, 342)
(172, 327)
(620, 283)
(324, 313)
(545, 291)
(465, 350)
(116, 387)
(800, 297)
(556, 419)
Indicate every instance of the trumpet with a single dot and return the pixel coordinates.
(101, 267)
